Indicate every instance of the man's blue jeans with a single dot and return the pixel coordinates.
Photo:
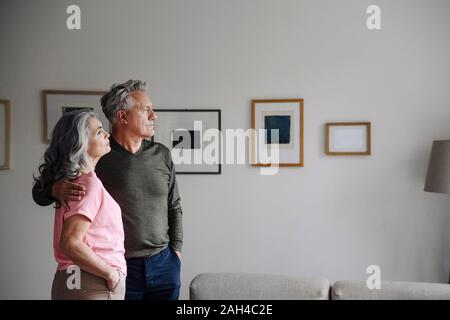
(154, 278)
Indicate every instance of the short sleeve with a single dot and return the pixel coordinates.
(90, 203)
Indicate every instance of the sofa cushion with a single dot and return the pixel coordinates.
(390, 290)
(251, 286)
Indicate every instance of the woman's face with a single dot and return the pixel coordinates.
(98, 139)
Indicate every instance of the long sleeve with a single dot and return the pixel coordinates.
(175, 213)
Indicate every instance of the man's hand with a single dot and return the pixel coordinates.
(64, 191)
(178, 253)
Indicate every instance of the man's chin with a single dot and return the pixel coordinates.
(149, 135)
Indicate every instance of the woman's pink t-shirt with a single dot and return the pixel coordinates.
(105, 235)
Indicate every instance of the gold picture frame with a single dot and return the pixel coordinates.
(5, 135)
(348, 138)
(288, 118)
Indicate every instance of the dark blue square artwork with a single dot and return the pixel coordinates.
(283, 124)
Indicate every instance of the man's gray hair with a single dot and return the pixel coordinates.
(66, 156)
(118, 97)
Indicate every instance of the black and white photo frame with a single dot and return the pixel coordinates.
(183, 131)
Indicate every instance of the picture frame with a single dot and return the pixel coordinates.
(287, 116)
(180, 131)
(348, 138)
(57, 102)
(5, 134)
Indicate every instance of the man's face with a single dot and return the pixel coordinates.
(140, 118)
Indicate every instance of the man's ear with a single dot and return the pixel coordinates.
(121, 116)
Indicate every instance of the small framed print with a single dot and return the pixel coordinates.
(285, 119)
(183, 131)
(348, 138)
(5, 134)
(58, 102)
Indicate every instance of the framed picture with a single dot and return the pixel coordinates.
(183, 131)
(348, 138)
(285, 119)
(58, 102)
(5, 134)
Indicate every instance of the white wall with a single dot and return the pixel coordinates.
(332, 218)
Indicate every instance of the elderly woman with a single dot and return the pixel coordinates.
(87, 233)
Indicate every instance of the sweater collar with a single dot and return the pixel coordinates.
(117, 146)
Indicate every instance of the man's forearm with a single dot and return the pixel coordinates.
(43, 197)
(176, 228)
(175, 213)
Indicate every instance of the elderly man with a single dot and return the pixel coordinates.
(140, 176)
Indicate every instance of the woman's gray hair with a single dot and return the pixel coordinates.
(118, 97)
(67, 154)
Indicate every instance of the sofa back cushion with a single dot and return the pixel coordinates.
(252, 286)
(390, 290)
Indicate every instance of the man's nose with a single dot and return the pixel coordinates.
(153, 116)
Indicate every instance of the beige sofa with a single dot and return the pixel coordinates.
(250, 286)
